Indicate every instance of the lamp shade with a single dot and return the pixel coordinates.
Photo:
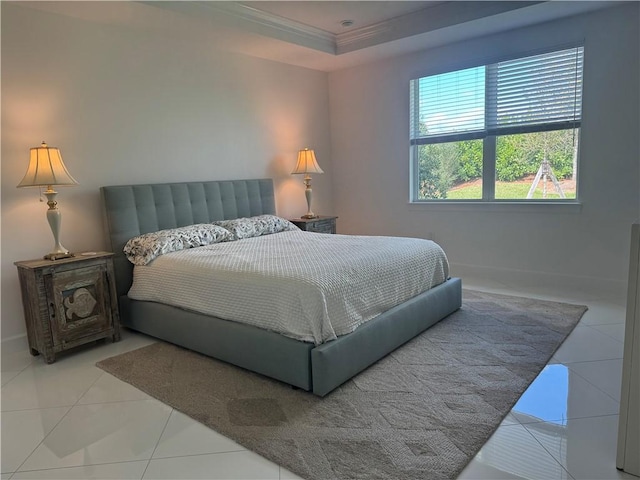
(46, 168)
(307, 162)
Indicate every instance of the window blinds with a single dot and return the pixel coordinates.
(542, 92)
(529, 94)
(450, 103)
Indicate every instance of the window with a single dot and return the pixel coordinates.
(504, 131)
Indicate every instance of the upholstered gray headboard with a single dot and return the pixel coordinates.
(132, 210)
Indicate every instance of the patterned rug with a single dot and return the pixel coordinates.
(421, 412)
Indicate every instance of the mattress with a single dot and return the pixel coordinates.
(308, 286)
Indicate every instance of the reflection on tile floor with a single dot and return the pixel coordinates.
(568, 416)
(559, 394)
(72, 420)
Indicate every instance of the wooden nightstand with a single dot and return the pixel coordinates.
(321, 224)
(68, 302)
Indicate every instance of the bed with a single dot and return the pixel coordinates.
(132, 210)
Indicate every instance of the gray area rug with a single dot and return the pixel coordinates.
(422, 412)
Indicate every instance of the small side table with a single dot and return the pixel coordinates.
(68, 302)
(321, 224)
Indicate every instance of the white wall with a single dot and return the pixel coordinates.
(369, 133)
(134, 105)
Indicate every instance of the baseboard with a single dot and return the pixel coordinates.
(521, 278)
(15, 343)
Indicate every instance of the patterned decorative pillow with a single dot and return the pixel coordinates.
(248, 227)
(143, 249)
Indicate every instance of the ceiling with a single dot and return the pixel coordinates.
(310, 33)
(328, 15)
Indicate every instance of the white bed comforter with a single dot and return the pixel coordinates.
(312, 287)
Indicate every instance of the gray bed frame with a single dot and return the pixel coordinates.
(132, 210)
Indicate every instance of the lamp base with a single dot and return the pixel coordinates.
(310, 215)
(58, 255)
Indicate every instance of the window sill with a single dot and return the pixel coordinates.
(497, 206)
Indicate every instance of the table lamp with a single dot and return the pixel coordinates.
(307, 164)
(47, 169)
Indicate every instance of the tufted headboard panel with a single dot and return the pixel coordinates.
(132, 210)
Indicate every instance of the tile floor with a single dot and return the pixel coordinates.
(71, 420)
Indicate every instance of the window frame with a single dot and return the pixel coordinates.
(489, 138)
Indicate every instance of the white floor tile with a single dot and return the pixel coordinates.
(511, 453)
(102, 433)
(235, 465)
(586, 447)
(585, 344)
(478, 470)
(110, 389)
(5, 476)
(10, 361)
(558, 394)
(185, 436)
(602, 313)
(287, 475)
(604, 374)
(510, 419)
(614, 330)
(119, 471)
(43, 386)
(7, 376)
(22, 431)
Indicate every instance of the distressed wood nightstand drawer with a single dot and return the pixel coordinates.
(321, 224)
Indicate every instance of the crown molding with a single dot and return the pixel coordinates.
(427, 20)
(234, 27)
(448, 20)
(349, 41)
(233, 14)
(293, 31)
